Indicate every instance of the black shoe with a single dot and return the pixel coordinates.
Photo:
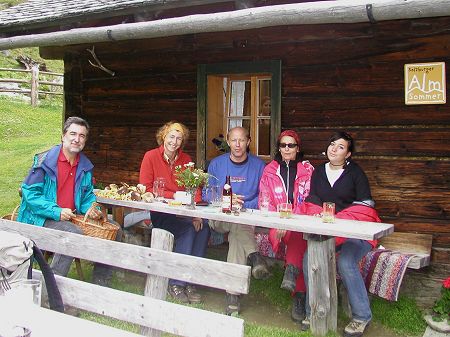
(298, 312)
(260, 270)
(233, 305)
(306, 324)
(290, 278)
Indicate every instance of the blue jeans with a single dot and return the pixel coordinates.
(350, 253)
(187, 240)
(60, 265)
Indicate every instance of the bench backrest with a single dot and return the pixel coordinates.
(212, 273)
(145, 311)
(410, 243)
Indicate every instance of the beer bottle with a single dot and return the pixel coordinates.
(227, 195)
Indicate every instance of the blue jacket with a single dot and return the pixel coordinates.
(40, 188)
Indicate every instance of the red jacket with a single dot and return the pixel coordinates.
(272, 182)
(355, 212)
(154, 165)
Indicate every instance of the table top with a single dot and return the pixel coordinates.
(300, 223)
(48, 323)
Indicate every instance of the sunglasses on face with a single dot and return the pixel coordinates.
(289, 145)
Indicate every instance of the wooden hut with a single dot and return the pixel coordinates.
(312, 66)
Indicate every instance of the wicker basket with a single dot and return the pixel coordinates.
(13, 215)
(97, 228)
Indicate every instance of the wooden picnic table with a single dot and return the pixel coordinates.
(48, 323)
(321, 246)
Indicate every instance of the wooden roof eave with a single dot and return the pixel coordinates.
(324, 12)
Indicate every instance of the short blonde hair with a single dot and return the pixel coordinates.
(171, 126)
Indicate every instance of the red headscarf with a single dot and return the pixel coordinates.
(290, 133)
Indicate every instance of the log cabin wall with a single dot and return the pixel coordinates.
(347, 76)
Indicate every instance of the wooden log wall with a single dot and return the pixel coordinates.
(333, 77)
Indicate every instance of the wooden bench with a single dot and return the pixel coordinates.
(149, 311)
(410, 243)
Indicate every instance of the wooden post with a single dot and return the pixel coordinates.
(156, 286)
(322, 284)
(34, 85)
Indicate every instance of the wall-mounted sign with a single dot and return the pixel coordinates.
(425, 83)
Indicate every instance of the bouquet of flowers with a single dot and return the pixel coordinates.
(442, 306)
(190, 177)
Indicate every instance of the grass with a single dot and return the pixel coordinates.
(25, 130)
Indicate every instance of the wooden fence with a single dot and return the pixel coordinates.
(39, 79)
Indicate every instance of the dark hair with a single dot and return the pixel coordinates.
(75, 120)
(345, 136)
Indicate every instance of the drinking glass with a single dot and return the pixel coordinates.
(158, 188)
(328, 212)
(25, 291)
(264, 200)
(284, 210)
(215, 195)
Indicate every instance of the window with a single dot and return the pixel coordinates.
(242, 94)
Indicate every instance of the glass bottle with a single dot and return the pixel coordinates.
(227, 196)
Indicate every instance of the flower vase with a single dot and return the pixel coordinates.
(191, 194)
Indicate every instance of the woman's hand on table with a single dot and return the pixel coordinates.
(197, 223)
(280, 233)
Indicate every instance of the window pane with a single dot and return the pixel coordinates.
(263, 137)
(264, 97)
(240, 98)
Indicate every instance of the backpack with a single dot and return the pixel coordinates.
(15, 256)
(16, 259)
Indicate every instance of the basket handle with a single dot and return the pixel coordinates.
(94, 206)
(14, 212)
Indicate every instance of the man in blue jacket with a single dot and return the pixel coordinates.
(58, 186)
(245, 171)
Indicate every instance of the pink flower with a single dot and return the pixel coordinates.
(446, 283)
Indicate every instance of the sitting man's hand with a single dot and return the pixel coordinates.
(66, 214)
(95, 213)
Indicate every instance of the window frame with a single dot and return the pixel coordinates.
(271, 67)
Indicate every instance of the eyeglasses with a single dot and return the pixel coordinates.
(289, 145)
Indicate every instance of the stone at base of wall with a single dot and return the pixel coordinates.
(442, 328)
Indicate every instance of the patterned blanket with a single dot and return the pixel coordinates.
(383, 272)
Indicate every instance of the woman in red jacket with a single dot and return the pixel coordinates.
(287, 179)
(191, 235)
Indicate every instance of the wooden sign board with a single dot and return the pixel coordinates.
(425, 83)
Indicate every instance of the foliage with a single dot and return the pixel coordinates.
(189, 176)
(403, 316)
(441, 307)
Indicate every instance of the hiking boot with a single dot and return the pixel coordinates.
(192, 294)
(298, 312)
(233, 306)
(355, 328)
(177, 293)
(260, 270)
(290, 278)
(306, 324)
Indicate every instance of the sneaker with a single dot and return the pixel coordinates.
(355, 328)
(298, 312)
(233, 306)
(192, 294)
(177, 293)
(260, 270)
(306, 324)
(290, 278)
